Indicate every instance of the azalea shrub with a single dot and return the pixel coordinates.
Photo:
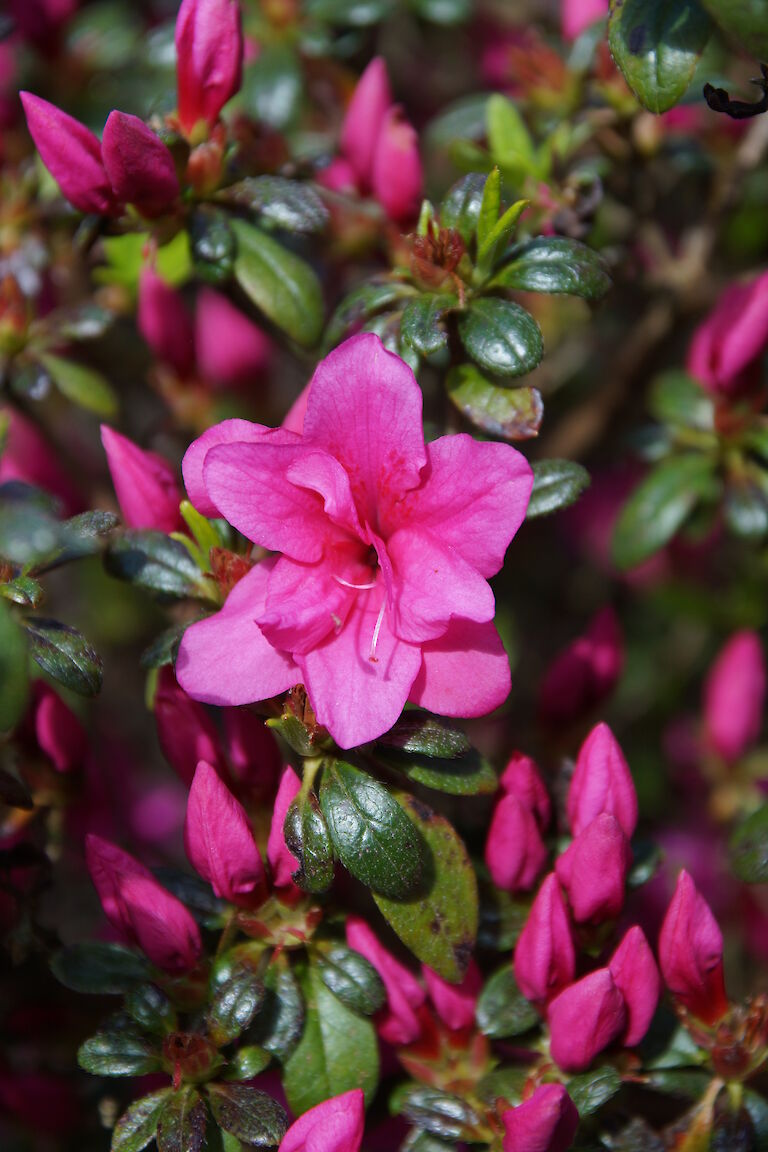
(383, 587)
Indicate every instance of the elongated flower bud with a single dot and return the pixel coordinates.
(725, 349)
(219, 841)
(335, 1125)
(601, 783)
(593, 870)
(636, 976)
(365, 115)
(546, 1122)
(230, 348)
(58, 732)
(584, 1019)
(140, 167)
(514, 851)
(164, 322)
(585, 673)
(405, 995)
(281, 860)
(141, 910)
(522, 778)
(145, 484)
(209, 59)
(455, 1003)
(72, 155)
(691, 953)
(185, 731)
(545, 960)
(734, 696)
(397, 179)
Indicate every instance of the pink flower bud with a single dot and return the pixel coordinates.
(545, 960)
(636, 976)
(514, 851)
(338, 176)
(185, 730)
(72, 154)
(593, 870)
(230, 348)
(164, 322)
(219, 841)
(27, 456)
(724, 350)
(585, 673)
(209, 59)
(335, 1125)
(584, 1019)
(601, 783)
(546, 1122)
(41, 20)
(281, 860)
(397, 179)
(734, 696)
(58, 732)
(363, 121)
(577, 15)
(691, 953)
(140, 909)
(140, 167)
(145, 484)
(521, 778)
(252, 752)
(455, 1003)
(405, 995)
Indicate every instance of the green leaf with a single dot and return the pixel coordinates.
(371, 833)
(14, 678)
(556, 484)
(164, 648)
(272, 86)
(338, 1051)
(83, 386)
(490, 206)
(353, 13)
(677, 399)
(660, 505)
(125, 258)
(555, 264)
(64, 654)
(443, 11)
(469, 775)
(593, 1089)
(248, 1114)
(360, 304)
(352, 979)
(307, 836)
(182, 1122)
(84, 322)
(502, 918)
(420, 732)
(514, 413)
(236, 996)
(99, 968)
(422, 326)
(154, 561)
(122, 1053)
(247, 1062)
(279, 1024)
(280, 283)
(438, 1112)
(460, 209)
(745, 508)
(508, 138)
(149, 1006)
(744, 19)
(501, 1009)
(749, 848)
(501, 336)
(499, 235)
(657, 45)
(288, 204)
(439, 923)
(137, 1125)
(212, 245)
(22, 590)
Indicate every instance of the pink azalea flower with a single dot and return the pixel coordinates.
(734, 696)
(145, 484)
(379, 593)
(209, 60)
(545, 1122)
(577, 15)
(335, 1125)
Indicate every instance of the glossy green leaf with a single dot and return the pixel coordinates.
(361, 304)
(508, 138)
(212, 245)
(155, 562)
(354, 13)
(556, 485)
(121, 1053)
(498, 236)
(443, 11)
(745, 508)
(99, 968)
(460, 209)
(422, 326)
(279, 1024)
(272, 86)
(468, 775)
(555, 264)
(439, 923)
(279, 283)
(501, 1009)
(307, 836)
(291, 205)
(164, 648)
(512, 413)
(593, 1089)
(22, 590)
(657, 45)
(149, 1006)
(677, 399)
(182, 1122)
(236, 995)
(137, 1125)
(372, 835)
(490, 206)
(748, 848)
(64, 654)
(248, 1114)
(14, 677)
(83, 386)
(247, 1062)
(352, 979)
(426, 735)
(746, 20)
(440, 1113)
(501, 336)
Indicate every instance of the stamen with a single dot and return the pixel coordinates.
(357, 587)
(372, 654)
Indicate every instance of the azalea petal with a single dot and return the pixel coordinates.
(227, 432)
(473, 497)
(319, 472)
(335, 1125)
(307, 601)
(465, 672)
(364, 408)
(432, 583)
(226, 659)
(354, 696)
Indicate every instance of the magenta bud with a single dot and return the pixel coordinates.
(58, 732)
(164, 322)
(72, 155)
(724, 350)
(140, 909)
(585, 1019)
(545, 960)
(593, 870)
(364, 118)
(585, 673)
(546, 1122)
(209, 59)
(636, 976)
(145, 484)
(281, 860)
(734, 695)
(397, 179)
(578, 15)
(514, 851)
(219, 842)
(691, 953)
(454, 1003)
(335, 1125)
(400, 1023)
(27, 456)
(230, 348)
(185, 730)
(601, 783)
(521, 778)
(140, 167)
(252, 752)
(338, 176)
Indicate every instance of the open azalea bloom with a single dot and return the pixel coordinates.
(378, 593)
